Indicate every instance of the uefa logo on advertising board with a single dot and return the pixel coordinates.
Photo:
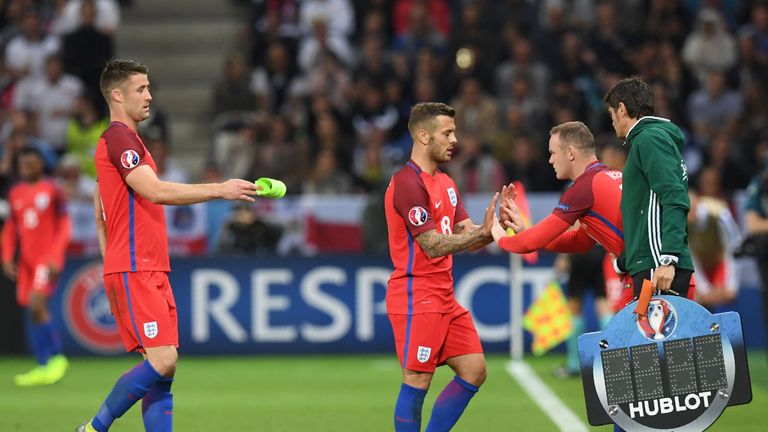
(86, 311)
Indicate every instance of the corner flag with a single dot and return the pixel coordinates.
(548, 319)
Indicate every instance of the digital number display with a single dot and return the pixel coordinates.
(646, 371)
(681, 368)
(709, 362)
(618, 376)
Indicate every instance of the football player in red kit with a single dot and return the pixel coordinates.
(130, 222)
(38, 227)
(427, 223)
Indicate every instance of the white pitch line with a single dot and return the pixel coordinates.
(552, 406)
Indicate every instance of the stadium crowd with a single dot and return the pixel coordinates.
(319, 93)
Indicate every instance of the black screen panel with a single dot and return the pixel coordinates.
(646, 371)
(681, 368)
(617, 375)
(709, 362)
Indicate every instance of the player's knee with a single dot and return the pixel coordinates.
(165, 362)
(480, 374)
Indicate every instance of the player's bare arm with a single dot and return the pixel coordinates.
(435, 244)
(144, 181)
(98, 214)
(467, 225)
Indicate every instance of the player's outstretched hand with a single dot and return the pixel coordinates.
(511, 216)
(490, 217)
(237, 189)
(507, 192)
(9, 268)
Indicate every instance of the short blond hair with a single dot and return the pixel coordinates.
(576, 134)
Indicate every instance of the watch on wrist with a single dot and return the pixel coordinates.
(667, 260)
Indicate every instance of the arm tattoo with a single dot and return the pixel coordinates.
(437, 245)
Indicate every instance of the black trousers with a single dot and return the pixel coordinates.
(680, 283)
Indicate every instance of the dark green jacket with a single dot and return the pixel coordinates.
(654, 200)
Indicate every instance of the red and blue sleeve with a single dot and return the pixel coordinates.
(411, 201)
(125, 151)
(536, 237)
(575, 202)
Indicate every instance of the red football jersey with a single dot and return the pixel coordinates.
(594, 200)
(416, 202)
(37, 213)
(136, 236)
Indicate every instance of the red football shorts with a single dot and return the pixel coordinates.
(425, 341)
(144, 309)
(32, 277)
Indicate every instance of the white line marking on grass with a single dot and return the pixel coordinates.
(552, 406)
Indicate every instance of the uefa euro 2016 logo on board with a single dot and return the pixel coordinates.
(660, 321)
(87, 313)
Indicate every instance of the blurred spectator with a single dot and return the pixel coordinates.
(106, 16)
(167, 168)
(338, 16)
(375, 65)
(76, 187)
(713, 236)
(757, 31)
(472, 41)
(233, 92)
(18, 131)
(709, 48)
(319, 40)
(608, 41)
(325, 177)
(522, 62)
(245, 233)
(83, 133)
(667, 18)
(421, 31)
(410, 13)
(477, 114)
(752, 68)
(528, 166)
(26, 53)
(273, 83)
(532, 108)
(86, 49)
(331, 78)
(280, 155)
(373, 111)
(52, 98)
(11, 15)
(274, 21)
(234, 150)
(713, 109)
(473, 169)
(726, 164)
(328, 135)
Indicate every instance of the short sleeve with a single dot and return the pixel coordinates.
(461, 213)
(575, 202)
(125, 151)
(411, 201)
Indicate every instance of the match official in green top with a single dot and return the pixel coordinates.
(654, 202)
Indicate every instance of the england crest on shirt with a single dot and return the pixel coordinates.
(129, 159)
(423, 353)
(452, 196)
(150, 329)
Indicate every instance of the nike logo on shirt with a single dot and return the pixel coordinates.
(437, 204)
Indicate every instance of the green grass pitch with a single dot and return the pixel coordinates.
(307, 393)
